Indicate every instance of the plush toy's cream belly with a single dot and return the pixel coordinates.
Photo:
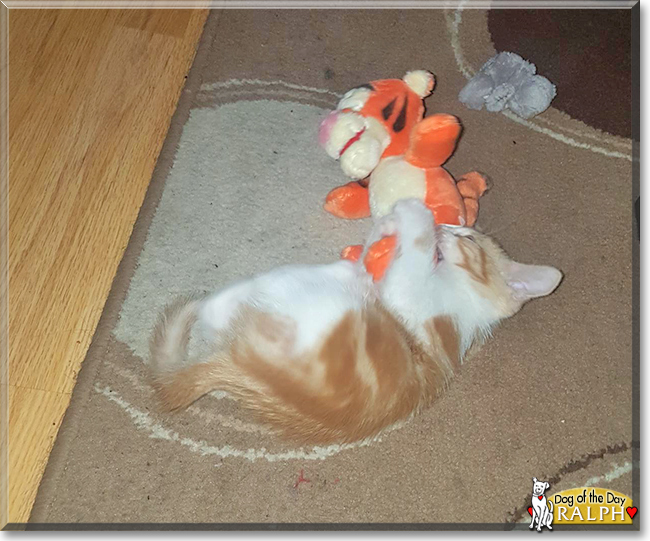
(394, 179)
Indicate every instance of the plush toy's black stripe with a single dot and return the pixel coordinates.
(400, 121)
(388, 110)
(366, 85)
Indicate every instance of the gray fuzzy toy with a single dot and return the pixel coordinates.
(507, 80)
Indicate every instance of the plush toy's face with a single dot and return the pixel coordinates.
(357, 141)
(374, 121)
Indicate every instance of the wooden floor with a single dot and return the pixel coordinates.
(91, 94)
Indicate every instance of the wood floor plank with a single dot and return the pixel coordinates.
(91, 95)
(35, 420)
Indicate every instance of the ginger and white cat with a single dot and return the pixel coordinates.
(324, 354)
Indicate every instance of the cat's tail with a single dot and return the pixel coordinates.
(177, 381)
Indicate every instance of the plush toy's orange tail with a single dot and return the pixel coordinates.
(471, 187)
(433, 141)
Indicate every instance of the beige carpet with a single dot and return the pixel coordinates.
(239, 189)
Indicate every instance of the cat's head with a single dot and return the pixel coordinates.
(486, 283)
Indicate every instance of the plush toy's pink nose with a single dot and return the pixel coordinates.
(326, 127)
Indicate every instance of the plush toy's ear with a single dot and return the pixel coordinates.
(547, 485)
(530, 281)
(534, 479)
(420, 81)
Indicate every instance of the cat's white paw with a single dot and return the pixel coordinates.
(412, 216)
(388, 225)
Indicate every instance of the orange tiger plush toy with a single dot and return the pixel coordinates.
(380, 138)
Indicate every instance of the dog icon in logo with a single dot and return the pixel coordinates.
(540, 510)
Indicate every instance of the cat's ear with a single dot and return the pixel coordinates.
(530, 281)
